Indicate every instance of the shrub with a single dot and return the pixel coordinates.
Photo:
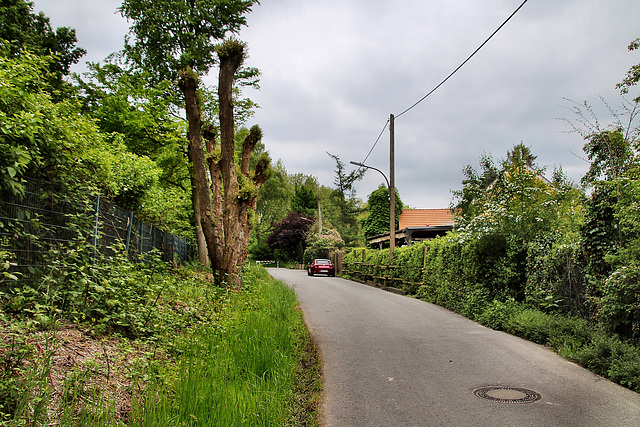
(608, 356)
(476, 302)
(530, 324)
(619, 307)
(555, 278)
(497, 314)
(320, 245)
(110, 293)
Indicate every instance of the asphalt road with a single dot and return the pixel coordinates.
(390, 360)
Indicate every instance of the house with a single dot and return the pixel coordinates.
(416, 225)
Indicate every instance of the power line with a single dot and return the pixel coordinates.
(448, 77)
(466, 60)
(376, 143)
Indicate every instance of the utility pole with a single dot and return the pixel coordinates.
(319, 218)
(392, 190)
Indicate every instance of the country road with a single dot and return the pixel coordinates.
(390, 360)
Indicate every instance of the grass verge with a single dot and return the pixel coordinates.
(214, 357)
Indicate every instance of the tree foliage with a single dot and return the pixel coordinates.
(510, 205)
(304, 201)
(54, 142)
(609, 152)
(289, 236)
(321, 243)
(343, 196)
(273, 201)
(23, 30)
(169, 36)
(513, 199)
(609, 234)
(144, 117)
(122, 101)
(377, 220)
(633, 75)
(612, 239)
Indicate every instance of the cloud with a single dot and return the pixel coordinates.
(99, 28)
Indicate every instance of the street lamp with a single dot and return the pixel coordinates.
(362, 165)
(392, 208)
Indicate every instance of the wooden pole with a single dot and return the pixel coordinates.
(392, 190)
(319, 218)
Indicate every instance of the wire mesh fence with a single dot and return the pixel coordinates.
(34, 224)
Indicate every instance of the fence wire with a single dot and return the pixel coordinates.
(39, 221)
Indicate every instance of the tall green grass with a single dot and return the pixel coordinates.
(238, 371)
(213, 357)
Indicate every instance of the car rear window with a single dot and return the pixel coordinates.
(323, 261)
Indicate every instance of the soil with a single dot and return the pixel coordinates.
(86, 371)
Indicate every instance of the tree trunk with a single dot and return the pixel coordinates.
(203, 256)
(231, 56)
(209, 134)
(189, 85)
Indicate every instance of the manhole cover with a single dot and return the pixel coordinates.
(507, 394)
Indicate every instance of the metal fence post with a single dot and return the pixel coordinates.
(140, 238)
(95, 228)
(129, 226)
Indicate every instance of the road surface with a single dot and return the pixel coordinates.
(390, 360)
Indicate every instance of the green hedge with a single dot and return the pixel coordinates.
(442, 270)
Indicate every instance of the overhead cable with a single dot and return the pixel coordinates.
(466, 60)
(376, 143)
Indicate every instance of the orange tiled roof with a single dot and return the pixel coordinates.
(425, 218)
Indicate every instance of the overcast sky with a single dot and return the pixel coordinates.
(334, 70)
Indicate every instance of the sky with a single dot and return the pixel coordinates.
(333, 71)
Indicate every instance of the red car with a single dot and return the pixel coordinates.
(321, 266)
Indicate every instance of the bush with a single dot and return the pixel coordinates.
(497, 314)
(555, 278)
(530, 324)
(260, 251)
(619, 307)
(612, 358)
(320, 245)
(109, 293)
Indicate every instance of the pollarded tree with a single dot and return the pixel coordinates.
(179, 41)
(239, 193)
